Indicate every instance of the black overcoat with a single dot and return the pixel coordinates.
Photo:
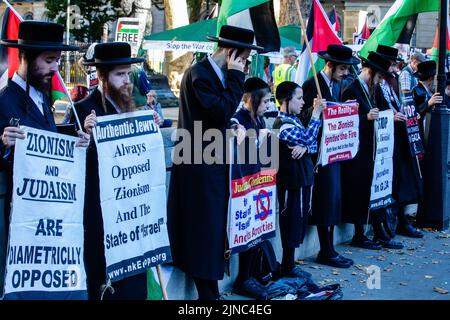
(134, 287)
(326, 195)
(198, 195)
(357, 173)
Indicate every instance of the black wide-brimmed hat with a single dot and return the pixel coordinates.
(426, 70)
(254, 83)
(339, 54)
(235, 37)
(111, 54)
(285, 90)
(378, 63)
(40, 36)
(389, 53)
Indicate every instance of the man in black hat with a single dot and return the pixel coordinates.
(210, 93)
(357, 173)
(326, 197)
(26, 98)
(113, 95)
(424, 96)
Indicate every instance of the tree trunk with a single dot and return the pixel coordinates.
(288, 11)
(176, 16)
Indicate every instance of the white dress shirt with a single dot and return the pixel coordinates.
(35, 95)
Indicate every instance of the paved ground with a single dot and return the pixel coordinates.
(421, 271)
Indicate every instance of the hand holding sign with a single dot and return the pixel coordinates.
(90, 122)
(318, 106)
(373, 114)
(435, 99)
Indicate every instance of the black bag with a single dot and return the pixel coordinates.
(265, 262)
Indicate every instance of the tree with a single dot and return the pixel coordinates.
(289, 14)
(87, 27)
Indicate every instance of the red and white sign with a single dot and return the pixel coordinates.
(340, 136)
(251, 216)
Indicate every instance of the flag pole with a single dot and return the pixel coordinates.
(303, 29)
(161, 282)
(59, 75)
(13, 10)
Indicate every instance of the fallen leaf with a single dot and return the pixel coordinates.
(394, 263)
(387, 269)
(403, 284)
(428, 277)
(301, 262)
(354, 273)
(348, 252)
(381, 258)
(443, 236)
(440, 290)
(315, 267)
(434, 262)
(409, 263)
(335, 273)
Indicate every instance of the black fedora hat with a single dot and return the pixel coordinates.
(426, 70)
(235, 37)
(377, 62)
(339, 54)
(41, 36)
(112, 53)
(389, 53)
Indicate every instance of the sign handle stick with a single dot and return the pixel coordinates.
(303, 30)
(161, 282)
(418, 167)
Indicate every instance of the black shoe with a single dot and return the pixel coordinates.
(345, 259)
(336, 262)
(365, 243)
(296, 272)
(251, 288)
(409, 231)
(390, 244)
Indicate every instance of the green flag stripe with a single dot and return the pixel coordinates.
(123, 30)
(390, 28)
(231, 7)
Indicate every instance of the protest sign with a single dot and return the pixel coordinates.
(132, 176)
(340, 135)
(45, 251)
(381, 189)
(412, 125)
(130, 30)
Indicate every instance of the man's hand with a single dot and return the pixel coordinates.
(239, 131)
(373, 114)
(398, 116)
(298, 151)
(90, 122)
(435, 99)
(10, 134)
(157, 119)
(235, 63)
(84, 139)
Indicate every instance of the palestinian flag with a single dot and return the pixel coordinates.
(9, 57)
(334, 19)
(434, 51)
(320, 34)
(360, 38)
(256, 15)
(393, 23)
(128, 26)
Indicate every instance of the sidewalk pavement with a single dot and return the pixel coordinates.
(420, 271)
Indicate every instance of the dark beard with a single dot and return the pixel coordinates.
(122, 97)
(38, 81)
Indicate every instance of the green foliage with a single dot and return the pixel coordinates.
(94, 14)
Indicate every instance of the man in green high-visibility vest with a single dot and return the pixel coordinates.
(286, 71)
